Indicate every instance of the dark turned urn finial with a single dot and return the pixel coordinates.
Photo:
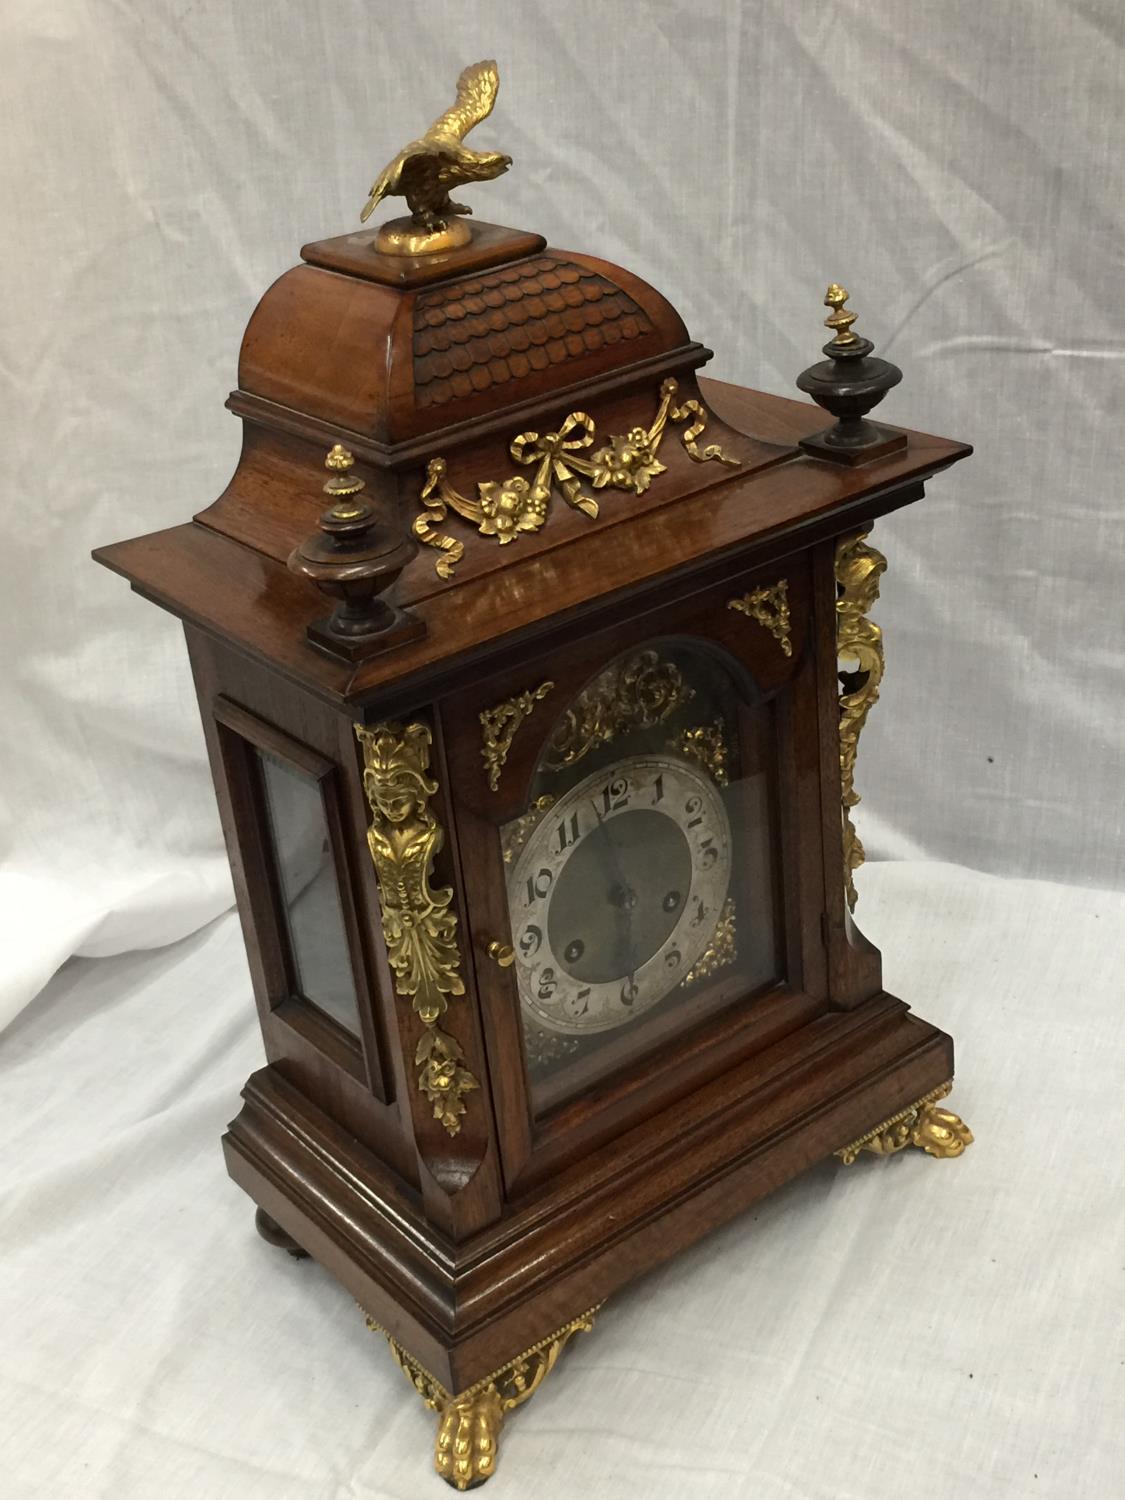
(354, 558)
(848, 384)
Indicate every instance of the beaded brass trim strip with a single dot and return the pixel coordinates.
(938, 1132)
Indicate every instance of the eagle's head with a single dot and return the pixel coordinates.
(480, 166)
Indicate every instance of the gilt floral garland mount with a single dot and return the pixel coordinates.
(505, 507)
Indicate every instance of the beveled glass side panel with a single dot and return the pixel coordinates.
(321, 970)
(641, 878)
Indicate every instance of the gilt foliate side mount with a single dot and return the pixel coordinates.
(425, 171)
(419, 925)
(859, 649)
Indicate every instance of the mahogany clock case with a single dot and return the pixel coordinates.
(467, 1245)
(459, 1246)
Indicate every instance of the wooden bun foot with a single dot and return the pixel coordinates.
(273, 1234)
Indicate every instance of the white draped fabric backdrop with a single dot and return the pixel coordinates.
(960, 167)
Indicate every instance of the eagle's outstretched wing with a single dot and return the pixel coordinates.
(386, 182)
(476, 94)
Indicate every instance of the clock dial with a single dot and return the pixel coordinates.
(617, 893)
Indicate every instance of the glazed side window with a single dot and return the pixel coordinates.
(309, 895)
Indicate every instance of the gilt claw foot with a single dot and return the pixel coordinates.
(469, 1425)
(936, 1131)
(468, 1438)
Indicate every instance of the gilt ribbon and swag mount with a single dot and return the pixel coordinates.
(505, 507)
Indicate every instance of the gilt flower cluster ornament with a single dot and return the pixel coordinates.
(504, 508)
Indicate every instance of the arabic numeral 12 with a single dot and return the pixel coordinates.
(615, 795)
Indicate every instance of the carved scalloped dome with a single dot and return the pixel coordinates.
(395, 352)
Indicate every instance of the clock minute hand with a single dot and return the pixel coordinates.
(624, 959)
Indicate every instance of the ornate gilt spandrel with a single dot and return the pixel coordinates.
(706, 745)
(859, 649)
(498, 728)
(769, 606)
(936, 1131)
(419, 925)
(636, 692)
(469, 1423)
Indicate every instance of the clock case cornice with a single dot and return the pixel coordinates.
(332, 354)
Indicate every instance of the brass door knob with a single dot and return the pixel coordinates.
(502, 954)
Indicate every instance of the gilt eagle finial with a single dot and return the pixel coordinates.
(424, 171)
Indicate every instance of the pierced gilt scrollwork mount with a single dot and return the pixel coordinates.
(419, 927)
(505, 508)
(468, 1435)
(859, 648)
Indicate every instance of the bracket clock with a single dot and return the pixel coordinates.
(532, 668)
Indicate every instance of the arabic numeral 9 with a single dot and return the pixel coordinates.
(531, 939)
